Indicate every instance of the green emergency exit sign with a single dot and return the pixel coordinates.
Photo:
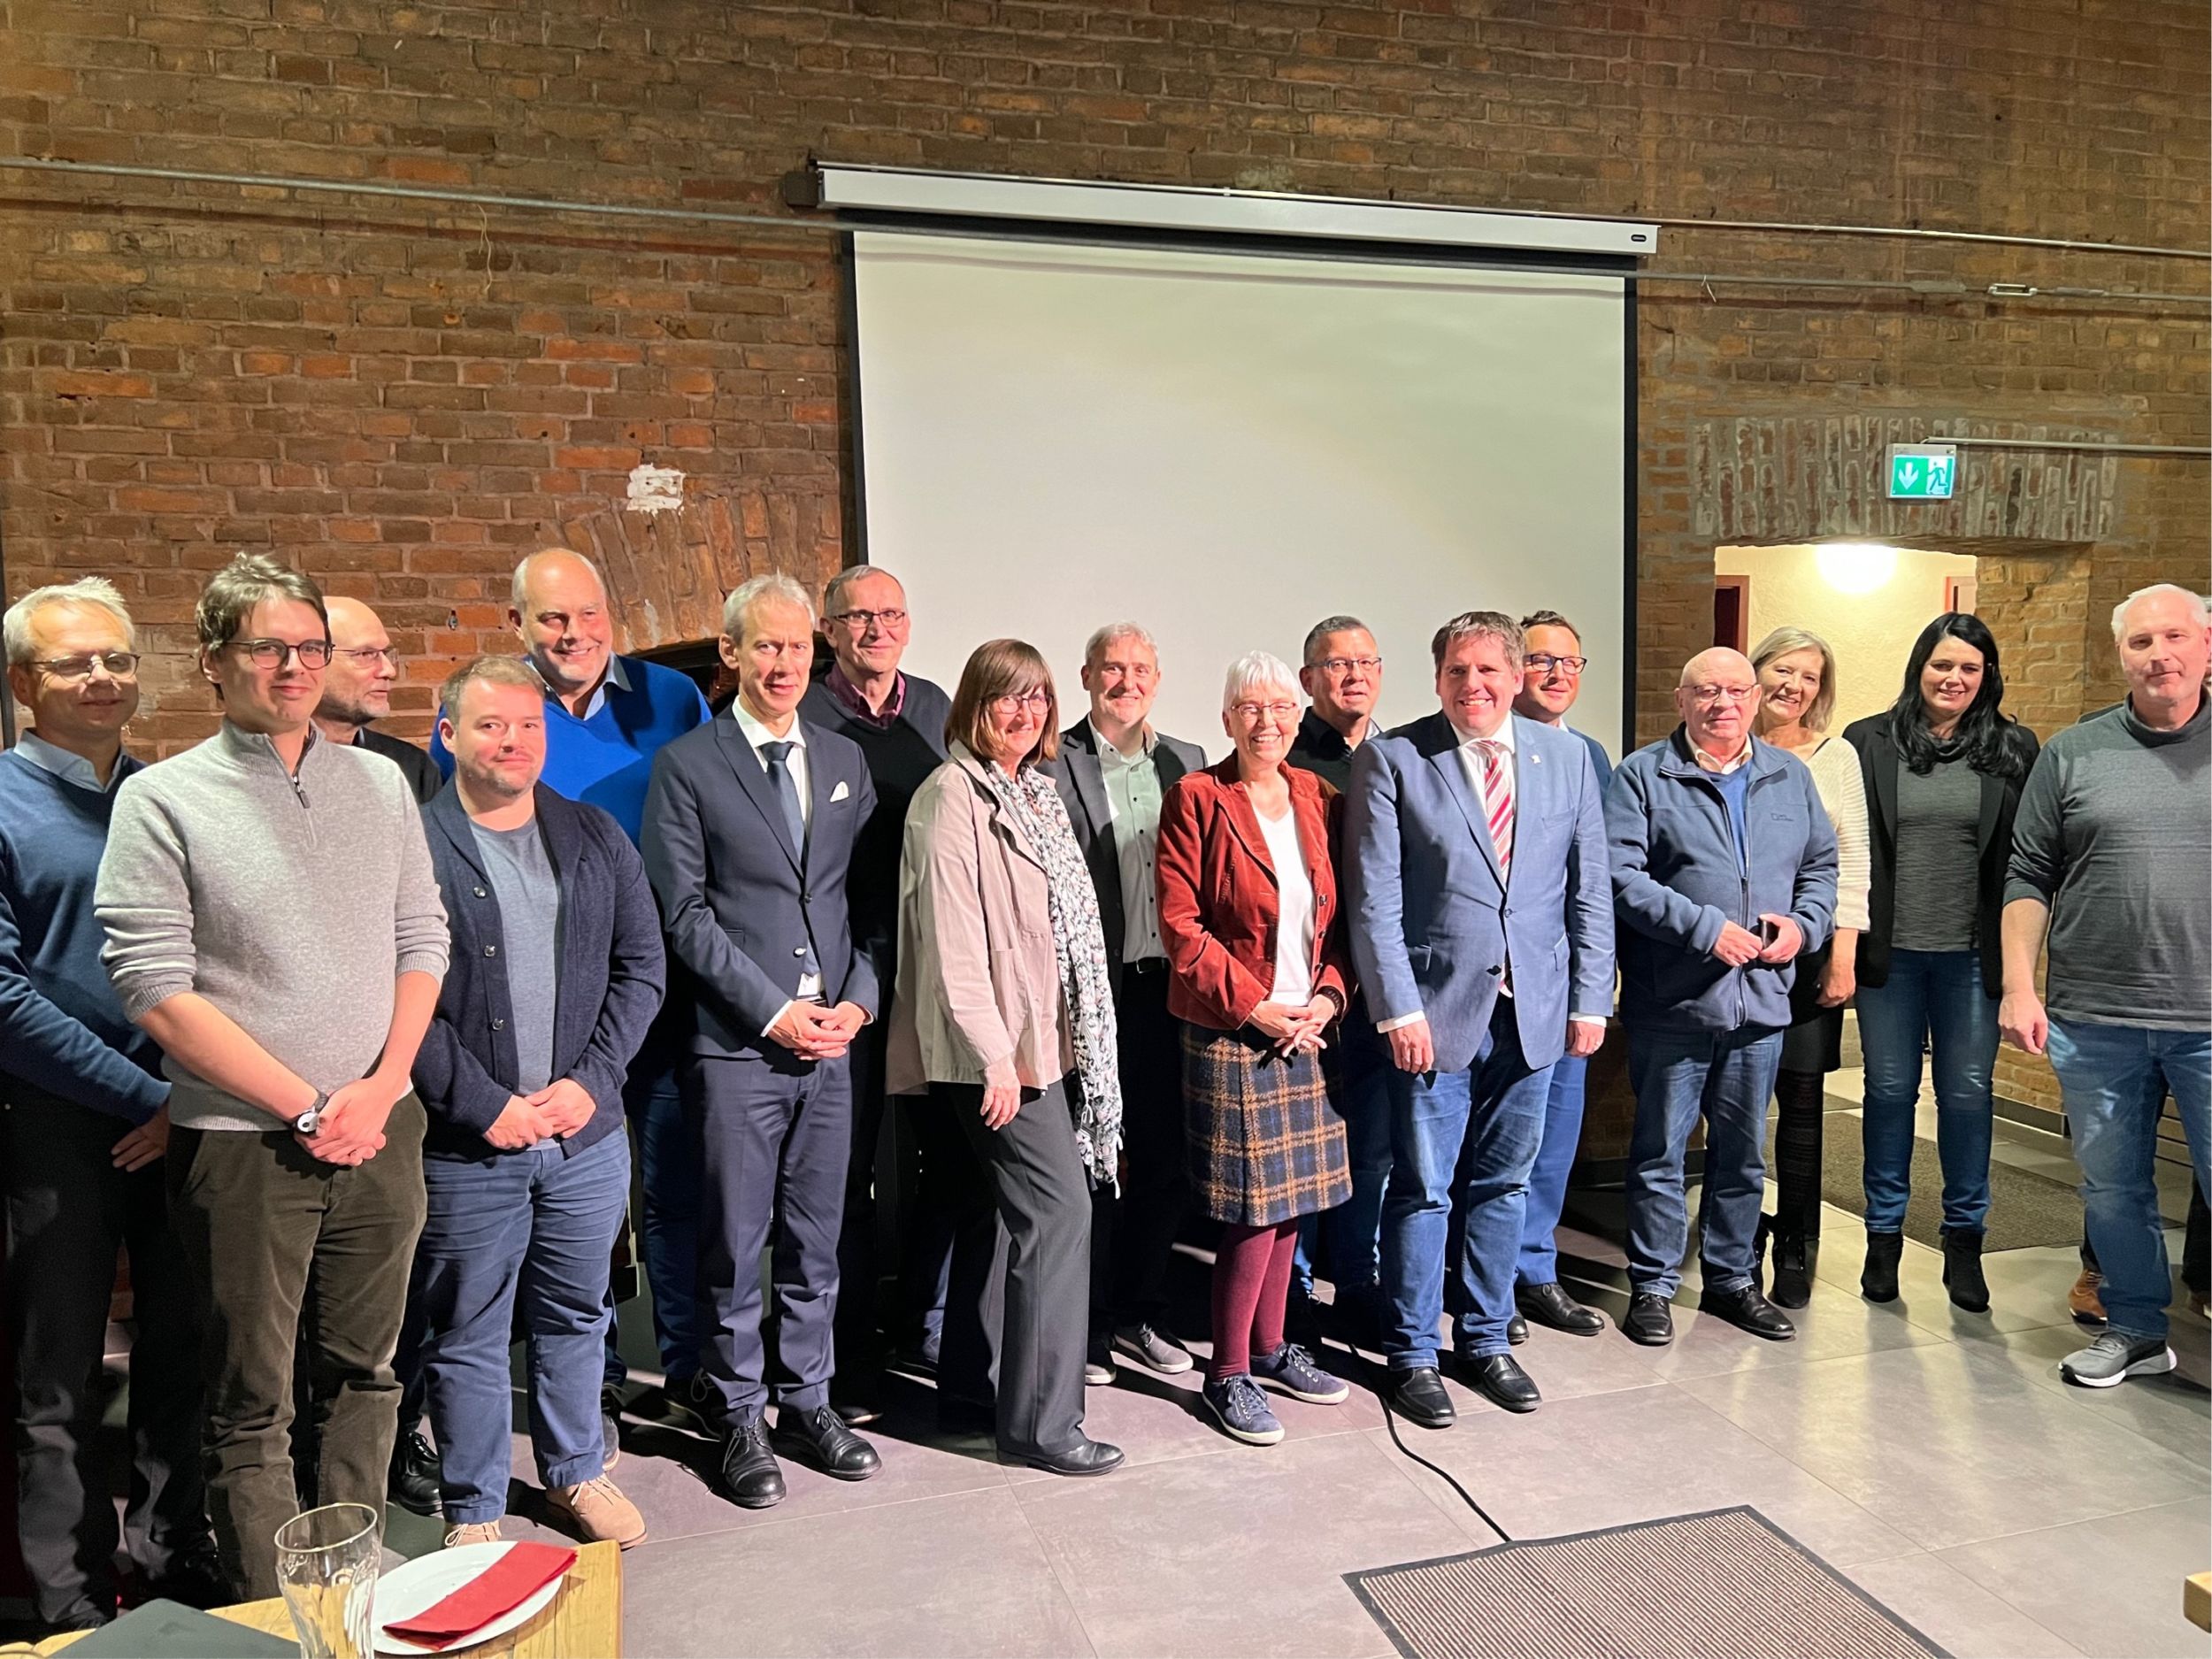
(1922, 472)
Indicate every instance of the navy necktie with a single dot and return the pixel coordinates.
(787, 792)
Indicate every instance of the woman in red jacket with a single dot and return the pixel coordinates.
(1257, 973)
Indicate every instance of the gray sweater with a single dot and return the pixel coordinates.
(2114, 835)
(293, 907)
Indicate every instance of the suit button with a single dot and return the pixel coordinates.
(499, 1024)
(479, 892)
(1494, 970)
(491, 950)
(1508, 911)
(798, 950)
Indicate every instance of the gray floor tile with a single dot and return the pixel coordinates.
(956, 1576)
(1953, 1611)
(2111, 1586)
(1238, 1552)
(2171, 1411)
(1837, 1324)
(1947, 1446)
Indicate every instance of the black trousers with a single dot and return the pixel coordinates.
(1132, 1235)
(69, 1210)
(922, 1228)
(775, 1134)
(1025, 1327)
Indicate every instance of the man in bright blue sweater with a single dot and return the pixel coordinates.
(83, 1126)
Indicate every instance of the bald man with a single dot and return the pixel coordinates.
(358, 690)
(1724, 874)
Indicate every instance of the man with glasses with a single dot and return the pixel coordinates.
(274, 924)
(1112, 773)
(898, 719)
(1342, 674)
(1551, 679)
(1724, 874)
(357, 689)
(1482, 924)
(84, 1123)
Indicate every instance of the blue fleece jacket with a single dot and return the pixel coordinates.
(1676, 878)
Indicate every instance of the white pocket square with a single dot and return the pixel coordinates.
(841, 791)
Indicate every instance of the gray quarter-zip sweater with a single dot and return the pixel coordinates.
(291, 903)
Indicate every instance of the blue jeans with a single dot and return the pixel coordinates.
(668, 1170)
(539, 1225)
(1936, 996)
(1461, 1146)
(1548, 1177)
(1726, 1077)
(2116, 1079)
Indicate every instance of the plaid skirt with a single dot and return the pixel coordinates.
(1266, 1144)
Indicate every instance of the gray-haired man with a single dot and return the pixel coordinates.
(274, 923)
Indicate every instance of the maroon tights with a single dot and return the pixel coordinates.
(1251, 1288)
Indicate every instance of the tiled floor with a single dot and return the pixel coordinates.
(1932, 1456)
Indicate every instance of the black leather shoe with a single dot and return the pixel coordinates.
(1550, 1305)
(413, 1481)
(1419, 1396)
(1650, 1320)
(1517, 1330)
(749, 1469)
(1503, 1381)
(831, 1446)
(609, 1426)
(1748, 1310)
(1084, 1457)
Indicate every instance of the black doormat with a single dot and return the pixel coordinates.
(2025, 1208)
(1728, 1582)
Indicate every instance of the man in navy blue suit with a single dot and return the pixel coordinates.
(750, 827)
(1482, 926)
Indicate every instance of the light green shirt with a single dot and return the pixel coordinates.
(1132, 800)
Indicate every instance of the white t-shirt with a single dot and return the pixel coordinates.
(1294, 926)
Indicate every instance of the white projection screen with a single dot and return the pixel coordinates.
(1226, 447)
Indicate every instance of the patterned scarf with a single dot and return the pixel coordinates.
(1077, 941)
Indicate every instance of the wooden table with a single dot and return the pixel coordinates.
(2196, 1598)
(584, 1621)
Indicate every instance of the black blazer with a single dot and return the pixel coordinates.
(1082, 786)
(740, 904)
(611, 975)
(1878, 765)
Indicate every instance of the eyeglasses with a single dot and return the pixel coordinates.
(861, 621)
(1345, 665)
(273, 653)
(370, 656)
(1014, 702)
(1543, 663)
(119, 665)
(1706, 696)
(1250, 713)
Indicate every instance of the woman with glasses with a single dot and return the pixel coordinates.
(1257, 971)
(1004, 1016)
(1797, 694)
(1943, 769)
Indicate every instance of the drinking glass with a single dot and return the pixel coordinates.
(327, 1562)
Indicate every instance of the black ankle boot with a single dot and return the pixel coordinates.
(1877, 1279)
(1962, 1269)
(1792, 1268)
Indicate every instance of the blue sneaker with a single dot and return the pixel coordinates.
(1240, 1409)
(1292, 1369)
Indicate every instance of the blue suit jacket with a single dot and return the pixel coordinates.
(1433, 926)
(612, 974)
(740, 903)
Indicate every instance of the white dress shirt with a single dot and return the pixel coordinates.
(793, 762)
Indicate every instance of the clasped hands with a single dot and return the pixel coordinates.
(1738, 945)
(1294, 1030)
(816, 1032)
(350, 1130)
(557, 1110)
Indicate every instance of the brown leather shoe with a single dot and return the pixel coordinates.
(600, 1512)
(2085, 1301)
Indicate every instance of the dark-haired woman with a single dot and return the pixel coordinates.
(1943, 771)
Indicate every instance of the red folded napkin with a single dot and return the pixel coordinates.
(525, 1569)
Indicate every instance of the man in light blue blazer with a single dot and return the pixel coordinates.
(1482, 926)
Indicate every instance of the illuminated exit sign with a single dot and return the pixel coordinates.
(1922, 472)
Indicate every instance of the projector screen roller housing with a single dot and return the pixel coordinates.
(1225, 447)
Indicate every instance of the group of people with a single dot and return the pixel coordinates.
(352, 1046)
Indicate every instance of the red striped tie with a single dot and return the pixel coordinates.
(1497, 791)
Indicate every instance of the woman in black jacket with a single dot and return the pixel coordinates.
(1943, 770)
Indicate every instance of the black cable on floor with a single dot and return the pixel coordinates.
(1450, 1480)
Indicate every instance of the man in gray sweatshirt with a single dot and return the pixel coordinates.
(273, 922)
(2112, 858)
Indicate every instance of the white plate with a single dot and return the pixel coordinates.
(428, 1579)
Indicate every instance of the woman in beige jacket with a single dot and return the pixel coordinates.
(1004, 1016)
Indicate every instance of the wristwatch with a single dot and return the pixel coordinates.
(309, 1121)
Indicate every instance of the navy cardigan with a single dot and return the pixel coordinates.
(611, 977)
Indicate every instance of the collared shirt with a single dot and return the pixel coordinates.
(66, 765)
(793, 762)
(614, 677)
(1722, 768)
(1132, 801)
(848, 698)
